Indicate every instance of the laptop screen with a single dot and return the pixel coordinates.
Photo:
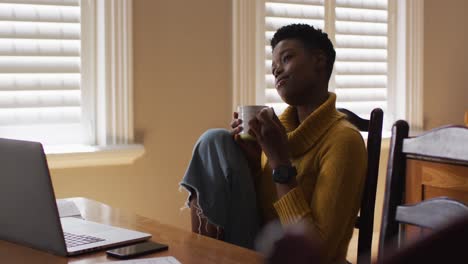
(28, 211)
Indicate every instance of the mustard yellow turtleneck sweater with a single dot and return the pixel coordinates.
(330, 157)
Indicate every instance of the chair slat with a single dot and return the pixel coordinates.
(452, 143)
(365, 221)
(432, 213)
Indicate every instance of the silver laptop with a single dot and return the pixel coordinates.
(28, 209)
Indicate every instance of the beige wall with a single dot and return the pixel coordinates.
(182, 87)
(445, 62)
(445, 74)
(182, 56)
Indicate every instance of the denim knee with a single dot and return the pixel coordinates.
(215, 134)
(216, 137)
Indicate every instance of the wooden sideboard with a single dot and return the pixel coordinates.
(433, 179)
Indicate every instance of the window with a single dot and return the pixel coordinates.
(65, 78)
(40, 72)
(378, 63)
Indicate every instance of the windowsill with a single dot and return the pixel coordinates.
(386, 135)
(385, 142)
(73, 156)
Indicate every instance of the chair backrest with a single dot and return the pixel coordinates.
(433, 164)
(365, 221)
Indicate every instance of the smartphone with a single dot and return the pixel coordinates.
(136, 250)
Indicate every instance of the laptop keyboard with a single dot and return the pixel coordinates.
(73, 240)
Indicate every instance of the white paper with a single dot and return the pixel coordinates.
(160, 260)
(67, 208)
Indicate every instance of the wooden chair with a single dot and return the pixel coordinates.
(365, 221)
(431, 165)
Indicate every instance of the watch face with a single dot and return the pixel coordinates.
(283, 174)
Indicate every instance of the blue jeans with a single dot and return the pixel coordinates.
(220, 176)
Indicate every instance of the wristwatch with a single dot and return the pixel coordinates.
(284, 173)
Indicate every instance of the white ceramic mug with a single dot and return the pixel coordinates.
(246, 113)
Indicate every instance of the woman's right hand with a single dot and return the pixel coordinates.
(251, 148)
(236, 124)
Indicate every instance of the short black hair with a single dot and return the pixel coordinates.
(312, 38)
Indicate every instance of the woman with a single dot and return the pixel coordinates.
(307, 166)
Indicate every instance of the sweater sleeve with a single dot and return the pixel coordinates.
(292, 207)
(335, 200)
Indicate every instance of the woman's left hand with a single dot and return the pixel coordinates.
(271, 136)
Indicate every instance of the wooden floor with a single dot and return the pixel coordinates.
(352, 249)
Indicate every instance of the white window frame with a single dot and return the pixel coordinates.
(107, 89)
(405, 87)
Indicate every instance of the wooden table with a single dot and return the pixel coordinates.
(185, 246)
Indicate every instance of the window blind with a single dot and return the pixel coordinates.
(358, 29)
(40, 97)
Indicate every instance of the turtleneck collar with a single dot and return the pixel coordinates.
(302, 137)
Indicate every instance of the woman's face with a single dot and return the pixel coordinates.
(296, 72)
